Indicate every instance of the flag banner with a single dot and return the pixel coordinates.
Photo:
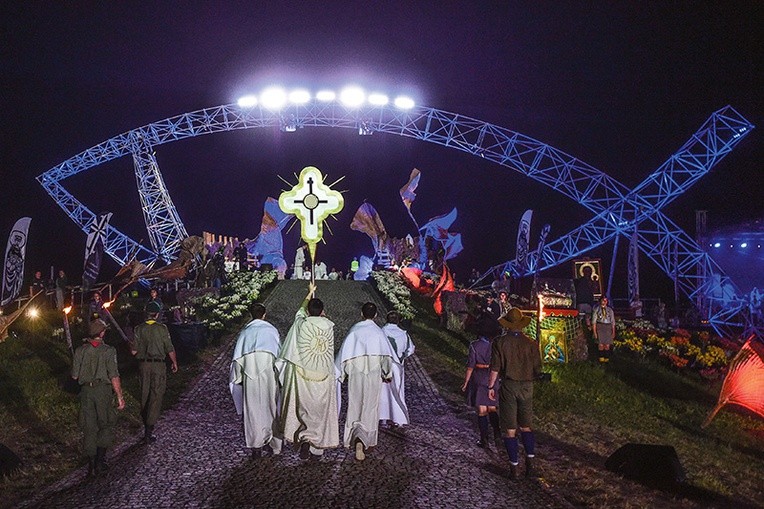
(523, 240)
(408, 194)
(542, 243)
(269, 244)
(366, 220)
(452, 245)
(438, 226)
(633, 268)
(437, 229)
(273, 217)
(15, 252)
(94, 249)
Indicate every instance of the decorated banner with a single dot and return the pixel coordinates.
(269, 243)
(523, 240)
(633, 269)
(367, 220)
(15, 252)
(408, 194)
(312, 202)
(437, 229)
(94, 249)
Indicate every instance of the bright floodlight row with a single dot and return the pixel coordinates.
(274, 98)
(743, 245)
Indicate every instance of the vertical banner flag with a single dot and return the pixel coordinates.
(542, 243)
(633, 268)
(94, 249)
(13, 270)
(523, 240)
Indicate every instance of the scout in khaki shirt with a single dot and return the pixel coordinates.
(95, 369)
(152, 345)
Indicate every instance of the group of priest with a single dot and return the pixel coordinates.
(290, 390)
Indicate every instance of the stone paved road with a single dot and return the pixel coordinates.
(199, 460)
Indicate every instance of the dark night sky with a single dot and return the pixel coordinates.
(619, 85)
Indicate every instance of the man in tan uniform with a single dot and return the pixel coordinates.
(95, 369)
(151, 347)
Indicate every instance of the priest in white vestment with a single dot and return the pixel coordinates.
(365, 359)
(392, 399)
(254, 384)
(308, 414)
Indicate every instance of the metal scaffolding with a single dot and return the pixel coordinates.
(617, 209)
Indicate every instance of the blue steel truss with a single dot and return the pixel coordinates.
(616, 207)
(163, 223)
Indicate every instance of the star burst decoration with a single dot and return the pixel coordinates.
(312, 202)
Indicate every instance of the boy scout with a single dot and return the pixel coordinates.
(152, 345)
(95, 369)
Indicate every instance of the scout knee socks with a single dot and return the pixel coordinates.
(483, 426)
(511, 444)
(529, 443)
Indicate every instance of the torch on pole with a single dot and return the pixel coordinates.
(68, 332)
(113, 322)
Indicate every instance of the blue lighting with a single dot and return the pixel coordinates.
(744, 245)
(718, 244)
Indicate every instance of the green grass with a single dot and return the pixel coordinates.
(590, 410)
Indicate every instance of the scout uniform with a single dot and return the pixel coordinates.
(94, 366)
(516, 359)
(152, 345)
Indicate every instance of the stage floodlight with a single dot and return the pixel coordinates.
(33, 313)
(744, 245)
(326, 96)
(718, 244)
(273, 98)
(248, 101)
(404, 103)
(378, 99)
(299, 96)
(352, 97)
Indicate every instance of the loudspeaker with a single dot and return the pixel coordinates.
(654, 465)
(8, 461)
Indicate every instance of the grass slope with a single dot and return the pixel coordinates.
(590, 410)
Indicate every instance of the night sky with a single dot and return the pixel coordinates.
(619, 85)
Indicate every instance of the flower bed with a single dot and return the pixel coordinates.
(392, 286)
(224, 312)
(679, 347)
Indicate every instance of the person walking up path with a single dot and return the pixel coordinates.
(392, 398)
(516, 358)
(308, 414)
(254, 384)
(152, 346)
(95, 369)
(365, 359)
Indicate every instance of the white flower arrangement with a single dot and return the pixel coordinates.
(224, 312)
(392, 286)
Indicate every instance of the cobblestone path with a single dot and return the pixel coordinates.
(199, 459)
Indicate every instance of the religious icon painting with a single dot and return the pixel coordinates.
(553, 346)
(580, 267)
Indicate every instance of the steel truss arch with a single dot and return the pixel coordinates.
(562, 172)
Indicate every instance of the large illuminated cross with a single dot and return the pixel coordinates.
(312, 202)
